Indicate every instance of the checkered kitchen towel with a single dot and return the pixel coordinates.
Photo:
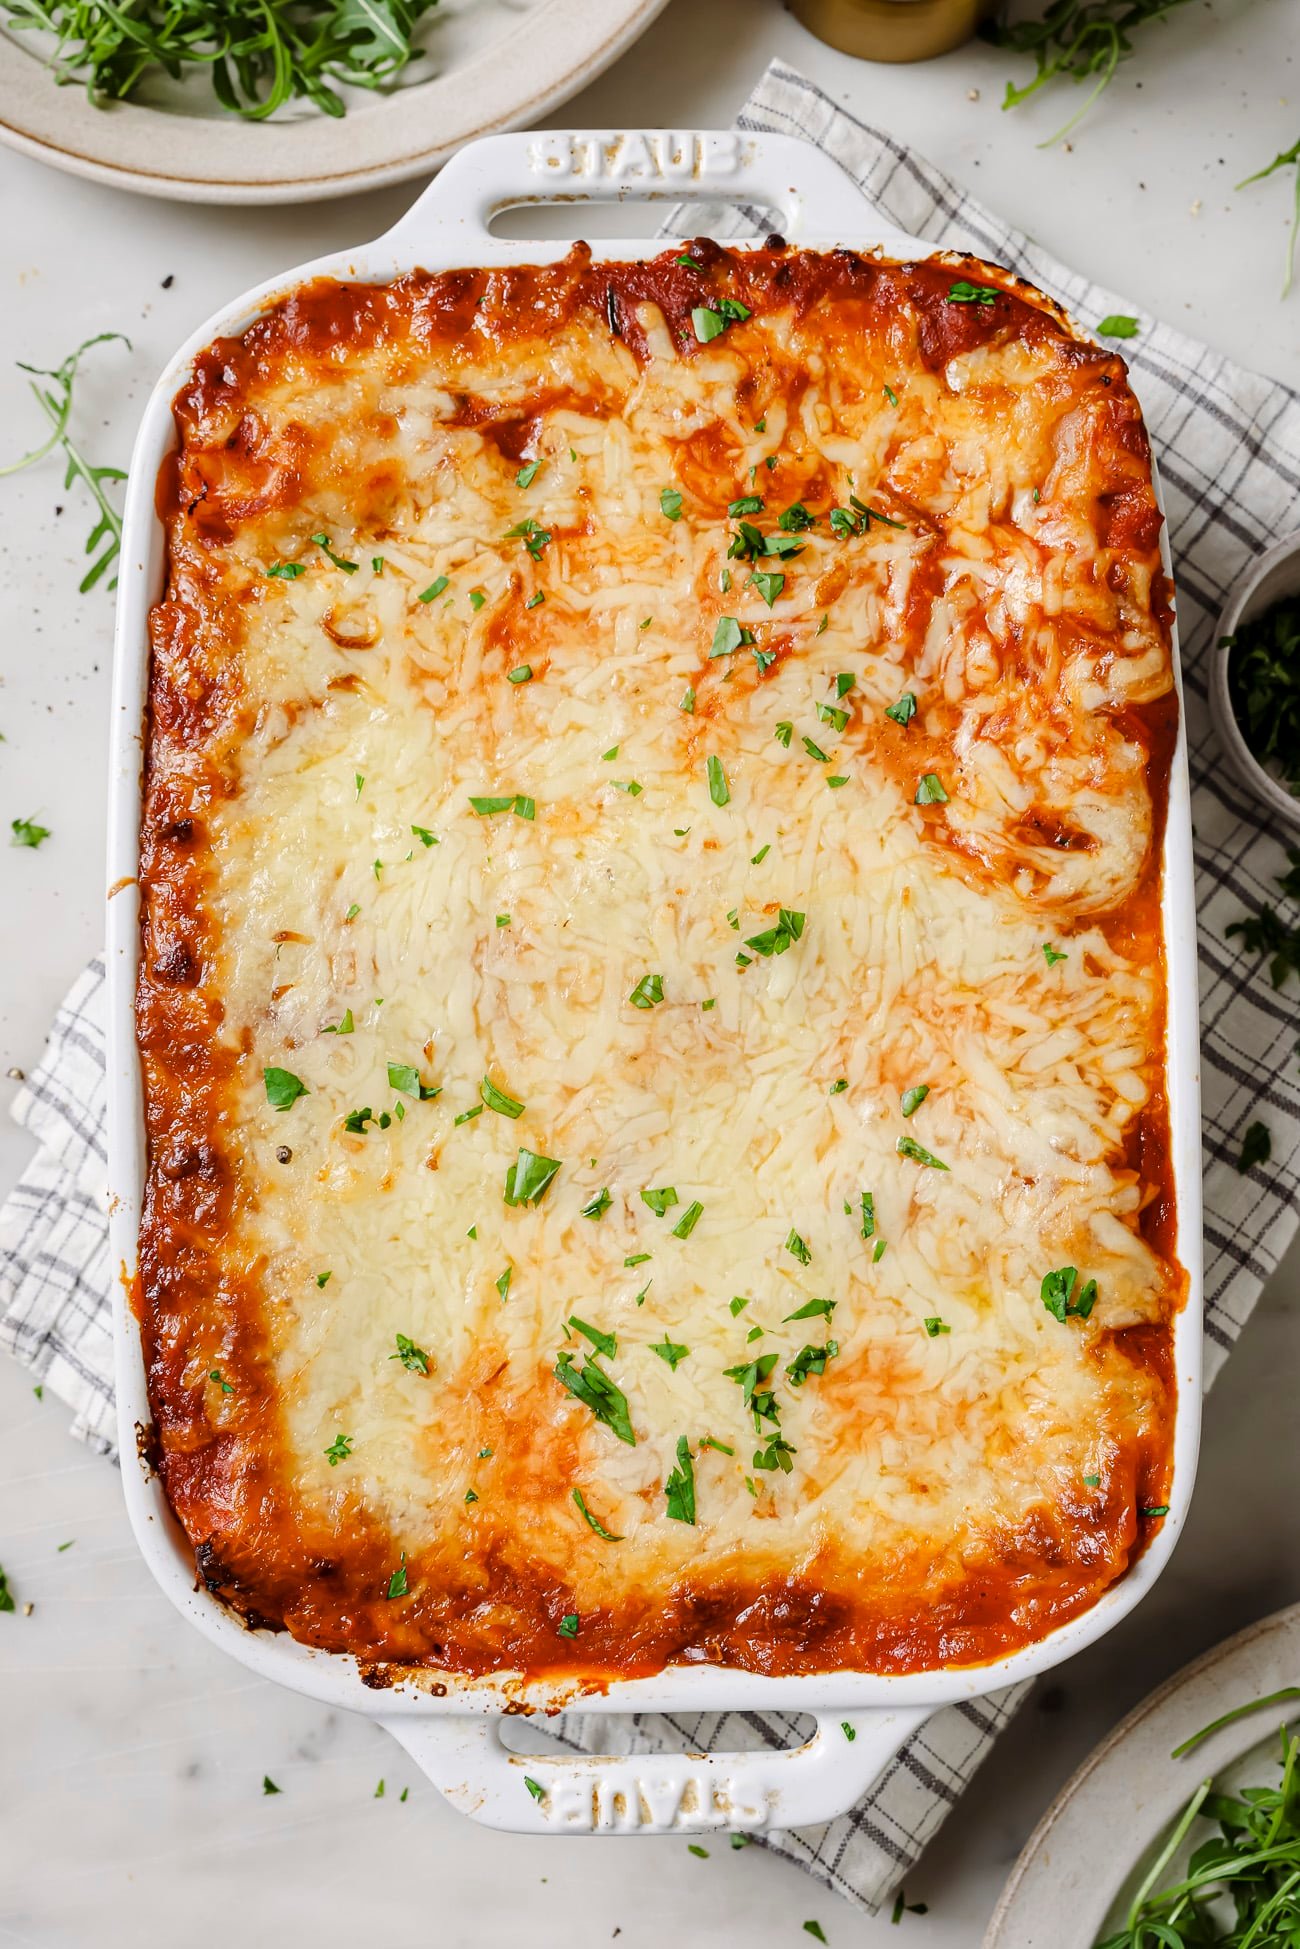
(1228, 443)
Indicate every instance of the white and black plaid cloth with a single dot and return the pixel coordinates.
(1228, 445)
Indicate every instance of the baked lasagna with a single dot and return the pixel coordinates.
(652, 998)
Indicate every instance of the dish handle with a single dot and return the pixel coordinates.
(814, 196)
(654, 1793)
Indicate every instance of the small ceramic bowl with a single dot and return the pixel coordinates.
(1271, 575)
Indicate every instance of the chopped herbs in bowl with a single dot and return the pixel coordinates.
(1255, 679)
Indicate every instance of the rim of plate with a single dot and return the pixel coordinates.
(511, 81)
(1128, 1789)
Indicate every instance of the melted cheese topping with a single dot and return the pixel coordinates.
(474, 801)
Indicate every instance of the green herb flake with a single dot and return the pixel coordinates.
(605, 1343)
(521, 674)
(534, 601)
(783, 733)
(693, 1847)
(397, 1584)
(527, 475)
(476, 599)
(738, 1306)
(798, 1248)
(529, 1177)
(728, 637)
(628, 785)
(597, 1206)
(344, 1027)
(413, 1358)
(1092, 1482)
(606, 1535)
(890, 395)
(535, 1787)
(593, 1387)
(833, 715)
(323, 543)
(1058, 1296)
(810, 1360)
(405, 1078)
(904, 710)
(815, 1930)
(467, 1116)
(965, 293)
(286, 572)
(689, 1219)
(497, 1099)
(323, 1279)
(679, 1489)
(934, 1327)
(283, 1087)
(930, 791)
(268, 1784)
(670, 503)
(908, 1147)
(719, 791)
(1256, 1147)
(434, 589)
(687, 700)
(669, 1351)
(339, 1450)
(1117, 324)
(914, 1098)
(779, 939)
(812, 1309)
(660, 1201)
(1053, 954)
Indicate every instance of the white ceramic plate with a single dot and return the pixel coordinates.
(1085, 1860)
(489, 65)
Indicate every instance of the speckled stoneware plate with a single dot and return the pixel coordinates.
(1086, 1858)
(486, 65)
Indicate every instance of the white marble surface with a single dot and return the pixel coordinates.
(131, 1754)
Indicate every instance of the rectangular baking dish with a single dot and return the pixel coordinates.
(453, 1728)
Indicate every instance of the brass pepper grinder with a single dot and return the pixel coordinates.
(892, 30)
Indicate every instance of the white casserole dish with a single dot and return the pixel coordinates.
(455, 1735)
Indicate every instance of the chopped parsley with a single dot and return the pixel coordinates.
(26, 832)
(903, 711)
(535, 1787)
(406, 1078)
(833, 715)
(648, 992)
(434, 589)
(812, 1309)
(776, 1455)
(680, 1486)
(215, 1374)
(397, 1584)
(606, 1343)
(747, 504)
(783, 733)
(1117, 324)
(778, 939)
(502, 1282)
(857, 517)
(607, 1535)
(670, 503)
(796, 520)
(516, 802)
(710, 321)
(1053, 954)
(597, 1206)
(868, 1215)
(467, 1116)
(344, 1027)
(1256, 1147)
(815, 751)
(670, 1351)
(476, 599)
(798, 1248)
(425, 837)
(339, 1450)
(930, 791)
(689, 1219)
(687, 702)
(536, 599)
(914, 1098)
(1057, 1292)
(660, 1201)
(527, 475)
(934, 1327)
(323, 1279)
(719, 791)
(964, 293)
(534, 538)
(323, 543)
(495, 1099)
(890, 395)
(521, 674)
(594, 1388)
(528, 1178)
(729, 637)
(413, 1358)
(768, 586)
(810, 1360)
(815, 1930)
(908, 1147)
(283, 1088)
(286, 571)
